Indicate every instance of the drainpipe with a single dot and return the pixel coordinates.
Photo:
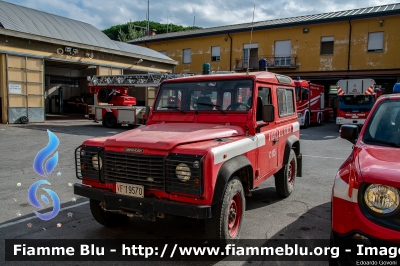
(348, 56)
(230, 55)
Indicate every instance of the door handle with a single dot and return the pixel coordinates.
(275, 141)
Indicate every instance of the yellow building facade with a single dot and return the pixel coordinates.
(323, 47)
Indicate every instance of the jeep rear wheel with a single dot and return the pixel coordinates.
(105, 218)
(284, 179)
(227, 215)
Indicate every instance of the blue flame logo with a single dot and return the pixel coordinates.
(45, 169)
(34, 201)
(44, 153)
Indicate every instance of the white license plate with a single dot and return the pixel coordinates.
(354, 116)
(129, 190)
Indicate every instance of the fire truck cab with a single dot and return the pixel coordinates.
(355, 100)
(208, 141)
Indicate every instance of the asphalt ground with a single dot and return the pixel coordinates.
(303, 215)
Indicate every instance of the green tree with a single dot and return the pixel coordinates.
(133, 30)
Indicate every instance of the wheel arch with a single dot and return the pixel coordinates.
(238, 166)
(292, 142)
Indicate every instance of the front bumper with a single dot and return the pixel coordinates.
(361, 251)
(146, 208)
(349, 121)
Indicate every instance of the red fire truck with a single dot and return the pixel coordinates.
(208, 141)
(310, 102)
(355, 100)
(114, 104)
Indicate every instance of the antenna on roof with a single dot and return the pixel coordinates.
(251, 37)
(148, 17)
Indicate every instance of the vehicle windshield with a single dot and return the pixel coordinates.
(301, 94)
(384, 126)
(218, 96)
(355, 103)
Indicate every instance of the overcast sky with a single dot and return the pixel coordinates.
(104, 14)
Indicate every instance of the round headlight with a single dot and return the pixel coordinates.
(182, 172)
(96, 161)
(381, 199)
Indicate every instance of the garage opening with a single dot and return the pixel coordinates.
(66, 92)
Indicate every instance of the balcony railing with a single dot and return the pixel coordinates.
(272, 62)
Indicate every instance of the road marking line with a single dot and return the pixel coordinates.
(33, 217)
(324, 157)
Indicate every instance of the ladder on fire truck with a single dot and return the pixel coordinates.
(135, 80)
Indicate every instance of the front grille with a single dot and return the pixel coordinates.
(135, 169)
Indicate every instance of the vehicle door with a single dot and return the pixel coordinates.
(267, 153)
(286, 123)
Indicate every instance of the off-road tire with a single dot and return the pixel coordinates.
(285, 177)
(227, 215)
(105, 218)
(109, 120)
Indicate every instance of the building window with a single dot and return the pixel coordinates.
(163, 52)
(187, 56)
(215, 53)
(375, 41)
(285, 102)
(327, 45)
(282, 53)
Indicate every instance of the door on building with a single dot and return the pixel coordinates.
(250, 56)
(25, 89)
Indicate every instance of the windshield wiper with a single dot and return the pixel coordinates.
(212, 105)
(390, 143)
(173, 107)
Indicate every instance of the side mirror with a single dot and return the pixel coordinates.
(268, 113)
(349, 132)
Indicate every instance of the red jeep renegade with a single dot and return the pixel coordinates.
(365, 196)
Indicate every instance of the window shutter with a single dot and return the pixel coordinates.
(327, 39)
(186, 56)
(283, 48)
(215, 51)
(375, 41)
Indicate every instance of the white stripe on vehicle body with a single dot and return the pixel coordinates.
(295, 126)
(237, 148)
(341, 190)
(242, 146)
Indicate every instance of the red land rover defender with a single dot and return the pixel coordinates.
(199, 155)
(365, 196)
